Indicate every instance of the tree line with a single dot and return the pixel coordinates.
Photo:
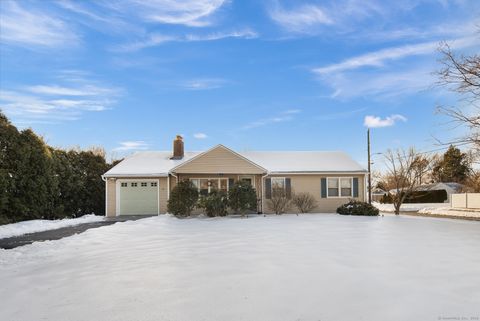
(40, 181)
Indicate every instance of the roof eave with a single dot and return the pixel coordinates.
(319, 172)
(136, 175)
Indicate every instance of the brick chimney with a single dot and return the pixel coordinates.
(178, 147)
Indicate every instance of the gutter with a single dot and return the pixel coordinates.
(168, 183)
(263, 190)
(135, 175)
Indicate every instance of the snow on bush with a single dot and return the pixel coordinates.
(25, 227)
(357, 208)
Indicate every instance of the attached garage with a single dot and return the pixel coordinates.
(137, 197)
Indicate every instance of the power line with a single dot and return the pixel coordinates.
(425, 152)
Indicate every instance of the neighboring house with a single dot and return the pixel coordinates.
(142, 182)
(377, 194)
(449, 188)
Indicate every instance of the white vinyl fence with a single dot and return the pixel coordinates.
(466, 200)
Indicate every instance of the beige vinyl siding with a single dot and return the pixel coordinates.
(219, 160)
(163, 194)
(312, 184)
(111, 197)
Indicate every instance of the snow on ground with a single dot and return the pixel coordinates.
(448, 211)
(307, 267)
(434, 209)
(410, 207)
(20, 228)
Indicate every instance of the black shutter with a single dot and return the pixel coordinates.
(288, 187)
(268, 188)
(231, 182)
(355, 187)
(323, 189)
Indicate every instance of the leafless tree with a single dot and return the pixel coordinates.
(279, 203)
(472, 184)
(461, 74)
(403, 174)
(304, 202)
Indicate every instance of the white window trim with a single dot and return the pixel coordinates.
(210, 179)
(271, 183)
(339, 188)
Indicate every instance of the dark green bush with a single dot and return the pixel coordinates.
(214, 204)
(357, 208)
(435, 196)
(183, 199)
(242, 197)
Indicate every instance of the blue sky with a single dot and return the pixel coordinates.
(253, 75)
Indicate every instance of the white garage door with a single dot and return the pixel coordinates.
(138, 197)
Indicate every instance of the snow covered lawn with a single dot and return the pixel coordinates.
(20, 228)
(308, 267)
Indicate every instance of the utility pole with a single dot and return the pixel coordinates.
(369, 169)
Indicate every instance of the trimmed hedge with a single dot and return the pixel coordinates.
(358, 208)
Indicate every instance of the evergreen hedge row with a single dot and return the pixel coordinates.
(39, 181)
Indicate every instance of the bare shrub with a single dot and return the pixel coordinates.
(304, 202)
(279, 203)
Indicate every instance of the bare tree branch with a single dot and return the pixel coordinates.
(461, 74)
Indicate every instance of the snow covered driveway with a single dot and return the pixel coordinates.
(33, 226)
(311, 267)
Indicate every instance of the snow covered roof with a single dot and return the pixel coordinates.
(151, 163)
(158, 163)
(304, 161)
(453, 187)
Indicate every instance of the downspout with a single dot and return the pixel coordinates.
(106, 194)
(168, 183)
(263, 191)
(168, 186)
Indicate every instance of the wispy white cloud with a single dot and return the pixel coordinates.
(301, 18)
(156, 39)
(131, 146)
(95, 16)
(204, 83)
(382, 84)
(284, 116)
(375, 121)
(334, 15)
(192, 13)
(83, 90)
(380, 57)
(33, 27)
(57, 102)
(200, 135)
(385, 73)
